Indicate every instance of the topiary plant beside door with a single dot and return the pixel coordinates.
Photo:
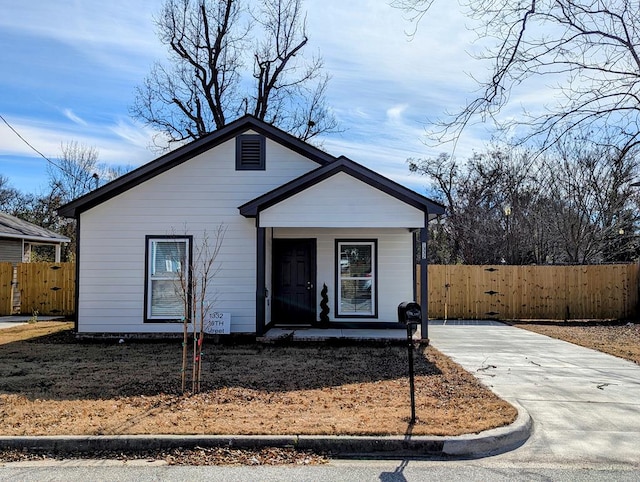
(324, 307)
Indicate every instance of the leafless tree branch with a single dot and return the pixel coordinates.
(205, 82)
(590, 47)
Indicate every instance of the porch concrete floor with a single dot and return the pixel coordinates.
(325, 334)
(370, 334)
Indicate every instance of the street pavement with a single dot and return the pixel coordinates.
(585, 405)
(336, 470)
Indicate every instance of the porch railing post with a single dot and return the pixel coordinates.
(424, 287)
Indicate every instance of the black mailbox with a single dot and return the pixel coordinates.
(409, 313)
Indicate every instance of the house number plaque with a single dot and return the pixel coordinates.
(217, 323)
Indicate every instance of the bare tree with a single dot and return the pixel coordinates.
(194, 288)
(75, 172)
(590, 198)
(591, 48)
(10, 197)
(574, 205)
(488, 200)
(207, 80)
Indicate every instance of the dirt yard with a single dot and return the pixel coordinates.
(51, 383)
(618, 339)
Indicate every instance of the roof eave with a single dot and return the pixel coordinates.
(42, 239)
(186, 152)
(342, 164)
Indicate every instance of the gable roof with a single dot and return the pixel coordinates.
(16, 228)
(358, 171)
(186, 152)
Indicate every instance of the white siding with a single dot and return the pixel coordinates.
(342, 202)
(192, 198)
(395, 266)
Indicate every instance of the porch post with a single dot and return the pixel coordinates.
(260, 280)
(76, 303)
(58, 254)
(424, 287)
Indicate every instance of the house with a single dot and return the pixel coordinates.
(296, 218)
(17, 237)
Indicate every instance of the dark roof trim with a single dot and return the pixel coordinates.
(186, 152)
(342, 164)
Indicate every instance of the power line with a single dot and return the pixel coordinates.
(37, 151)
(27, 142)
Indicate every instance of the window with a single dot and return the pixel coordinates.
(250, 155)
(166, 277)
(356, 289)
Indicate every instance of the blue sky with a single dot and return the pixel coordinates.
(69, 69)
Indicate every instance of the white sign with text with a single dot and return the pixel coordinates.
(218, 323)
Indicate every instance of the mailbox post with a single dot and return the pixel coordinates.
(410, 314)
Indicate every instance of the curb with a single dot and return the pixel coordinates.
(494, 441)
(489, 442)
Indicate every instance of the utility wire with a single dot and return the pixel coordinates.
(37, 151)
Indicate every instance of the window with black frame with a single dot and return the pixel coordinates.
(166, 277)
(357, 284)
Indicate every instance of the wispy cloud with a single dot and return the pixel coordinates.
(70, 69)
(112, 33)
(74, 118)
(394, 114)
(120, 145)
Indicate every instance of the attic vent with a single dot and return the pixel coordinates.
(250, 153)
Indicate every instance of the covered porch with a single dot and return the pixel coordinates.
(337, 250)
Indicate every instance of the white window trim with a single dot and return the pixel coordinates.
(150, 269)
(373, 313)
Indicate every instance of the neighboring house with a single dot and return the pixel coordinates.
(296, 218)
(17, 237)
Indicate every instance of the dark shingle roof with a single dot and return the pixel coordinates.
(12, 227)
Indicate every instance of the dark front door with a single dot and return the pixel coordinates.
(294, 279)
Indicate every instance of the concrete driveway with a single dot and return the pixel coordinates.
(585, 405)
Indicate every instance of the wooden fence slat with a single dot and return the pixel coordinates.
(6, 289)
(533, 292)
(47, 288)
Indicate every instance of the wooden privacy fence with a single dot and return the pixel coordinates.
(45, 288)
(455, 291)
(533, 292)
(6, 289)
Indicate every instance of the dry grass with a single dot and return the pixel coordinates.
(51, 383)
(621, 340)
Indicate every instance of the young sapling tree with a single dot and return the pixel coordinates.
(194, 288)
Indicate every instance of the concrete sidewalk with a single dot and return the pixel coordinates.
(585, 405)
(17, 320)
